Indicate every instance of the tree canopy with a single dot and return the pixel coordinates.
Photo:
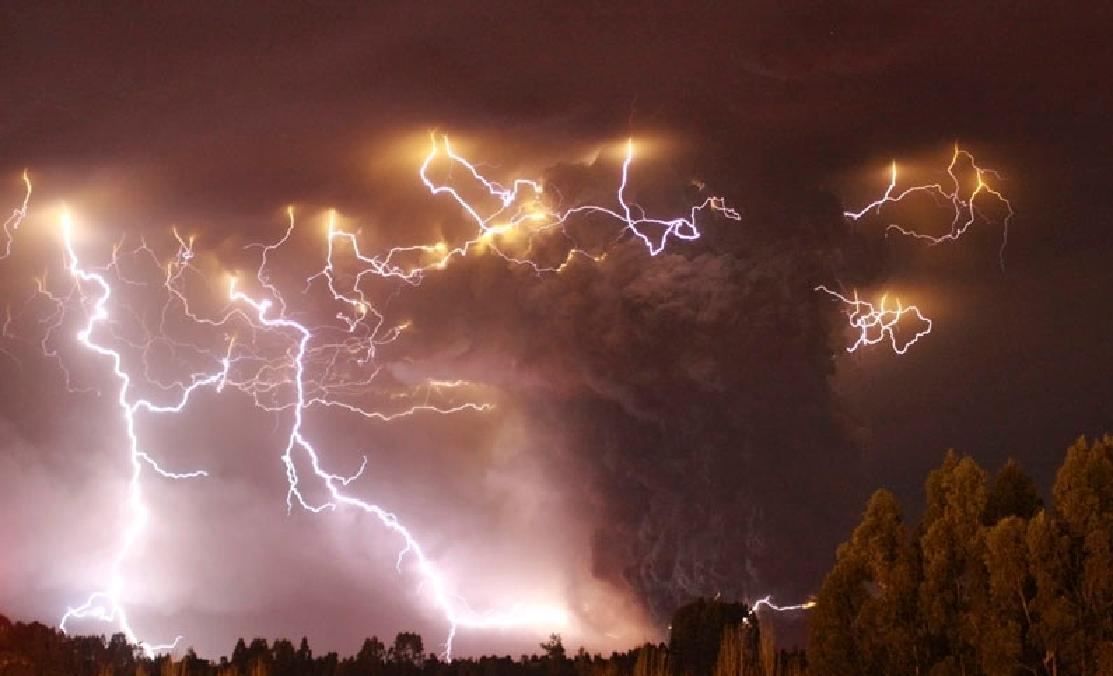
(989, 582)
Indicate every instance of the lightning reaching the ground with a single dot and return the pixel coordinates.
(287, 365)
(456, 612)
(106, 604)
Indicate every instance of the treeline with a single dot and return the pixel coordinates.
(723, 639)
(991, 581)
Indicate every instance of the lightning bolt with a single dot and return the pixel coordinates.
(12, 222)
(964, 206)
(875, 324)
(107, 604)
(322, 366)
(767, 602)
(456, 612)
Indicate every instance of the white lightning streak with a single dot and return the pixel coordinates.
(12, 223)
(106, 605)
(454, 612)
(767, 602)
(875, 324)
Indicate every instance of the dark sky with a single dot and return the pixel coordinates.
(665, 427)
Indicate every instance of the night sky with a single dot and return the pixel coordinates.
(664, 427)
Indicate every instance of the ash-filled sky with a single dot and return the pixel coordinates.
(664, 427)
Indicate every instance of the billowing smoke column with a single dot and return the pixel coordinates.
(693, 416)
(679, 437)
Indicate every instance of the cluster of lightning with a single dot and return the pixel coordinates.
(522, 212)
(875, 323)
(307, 373)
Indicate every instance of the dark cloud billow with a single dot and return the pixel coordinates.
(685, 397)
(668, 426)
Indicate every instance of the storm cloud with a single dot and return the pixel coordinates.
(665, 427)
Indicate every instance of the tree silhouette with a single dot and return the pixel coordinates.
(554, 649)
(1012, 493)
(407, 649)
(697, 633)
(867, 610)
(1005, 643)
(1074, 551)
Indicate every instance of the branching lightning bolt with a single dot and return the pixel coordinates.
(521, 211)
(965, 209)
(317, 366)
(107, 604)
(455, 612)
